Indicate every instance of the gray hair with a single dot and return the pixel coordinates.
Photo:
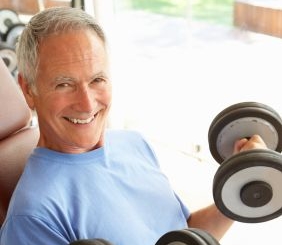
(45, 23)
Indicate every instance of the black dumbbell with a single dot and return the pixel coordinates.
(191, 236)
(13, 33)
(8, 18)
(10, 28)
(91, 242)
(247, 185)
(8, 54)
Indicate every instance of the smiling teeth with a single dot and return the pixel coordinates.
(81, 121)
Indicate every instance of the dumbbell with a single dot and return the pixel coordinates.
(8, 54)
(247, 185)
(191, 236)
(8, 18)
(10, 30)
(91, 242)
(13, 33)
(10, 27)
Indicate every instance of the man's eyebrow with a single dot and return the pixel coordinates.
(99, 74)
(64, 79)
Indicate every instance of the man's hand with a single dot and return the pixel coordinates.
(255, 142)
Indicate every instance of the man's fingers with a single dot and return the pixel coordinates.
(255, 142)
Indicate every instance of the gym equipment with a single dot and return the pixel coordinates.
(90, 242)
(247, 185)
(8, 18)
(10, 30)
(78, 4)
(191, 236)
(8, 54)
(13, 33)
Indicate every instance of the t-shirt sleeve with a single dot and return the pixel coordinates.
(184, 208)
(153, 156)
(30, 231)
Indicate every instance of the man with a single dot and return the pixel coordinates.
(83, 181)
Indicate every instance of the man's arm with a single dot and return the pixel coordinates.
(24, 230)
(211, 220)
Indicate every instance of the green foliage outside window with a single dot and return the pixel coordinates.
(212, 11)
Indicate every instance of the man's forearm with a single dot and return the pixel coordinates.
(210, 219)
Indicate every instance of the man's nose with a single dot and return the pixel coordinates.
(86, 100)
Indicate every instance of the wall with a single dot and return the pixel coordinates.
(30, 6)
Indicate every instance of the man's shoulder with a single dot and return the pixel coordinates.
(124, 134)
(127, 140)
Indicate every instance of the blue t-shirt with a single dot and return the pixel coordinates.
(116, 192)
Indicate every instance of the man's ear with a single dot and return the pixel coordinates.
(27, 91)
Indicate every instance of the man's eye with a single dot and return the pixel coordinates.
(99, 80)
(62, 85)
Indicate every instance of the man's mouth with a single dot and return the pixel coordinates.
(80, 121)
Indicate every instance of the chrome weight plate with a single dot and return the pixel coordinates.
(9, 57)
(244, 120)
(8, 18)
(13, 34)
(247, 186)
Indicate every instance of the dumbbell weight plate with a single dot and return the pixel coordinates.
(91, 242)
(9, 57)
(205, 235)
(13, 34)
(186, 237)
(8, 18)
(244, 120)
(247, 186)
